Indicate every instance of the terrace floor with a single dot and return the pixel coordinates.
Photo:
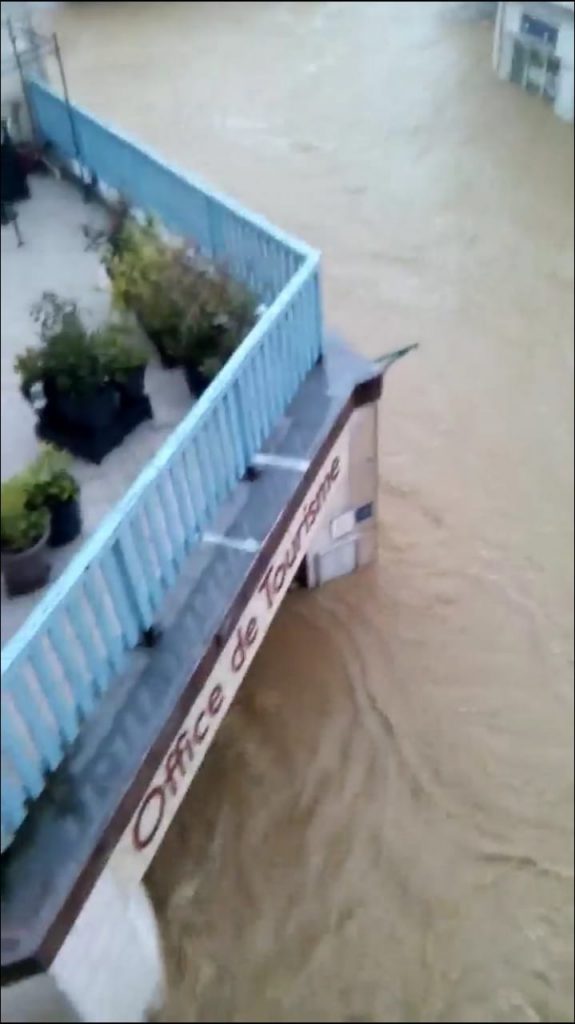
(56, 257)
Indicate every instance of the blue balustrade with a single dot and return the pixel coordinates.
(255, 251)
(78, 638)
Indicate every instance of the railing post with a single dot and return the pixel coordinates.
(133, 580)
(213, 217)
(318, 315)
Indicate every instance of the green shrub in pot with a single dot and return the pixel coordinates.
(74, 377)
(60, 325)
(143, 272)
(52, 486)
(23, 538)
(29, 366)
(187, 306)
(219, 314)
(73, 364)
(56, 315)
(78, 379)
(124, 358)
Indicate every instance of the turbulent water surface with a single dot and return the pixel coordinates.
(383, 828)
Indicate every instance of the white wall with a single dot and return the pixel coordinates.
(110, 966)
(508, 24)
(36, 999)
(342, 544)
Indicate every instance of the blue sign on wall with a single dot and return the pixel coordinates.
(364, 512)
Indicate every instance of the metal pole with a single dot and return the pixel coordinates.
(22, 76)
(33, 42)
(70, 110)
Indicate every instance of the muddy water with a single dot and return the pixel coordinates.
(383, 829)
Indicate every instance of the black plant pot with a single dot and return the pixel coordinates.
(93, 411)
(66, 522)
(132, 383)
(196, 380)
(51, 392)
(13, 174)
(161, 340)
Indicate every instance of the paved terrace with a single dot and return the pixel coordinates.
(55, 257)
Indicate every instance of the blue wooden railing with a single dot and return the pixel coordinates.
(77, 640)
(255, 252)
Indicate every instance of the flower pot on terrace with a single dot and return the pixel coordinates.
(196, 380)
(161, 341)
(65, 522)
(93, 411)
(26, 571)
(131, 384)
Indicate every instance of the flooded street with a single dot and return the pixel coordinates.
(383, 829)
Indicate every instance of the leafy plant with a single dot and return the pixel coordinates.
(73, 363)
(29, 365)
(211, 366)
(73, 359)
(21, 527)
(108, 239)
(49, 479)
(219, 314)
(201, 313)
(56, 316)
(119, 217)
(138, 263)
(119, 353)
(67, 359)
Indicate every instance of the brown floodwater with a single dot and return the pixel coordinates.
(384, 828)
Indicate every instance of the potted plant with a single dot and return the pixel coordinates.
(52, 486)
(54, 315)
(119, 216)
(125, 359)
(205, 356)
(76, 381)
(207, 371)
(23, 538)
(29, 365)
(74, 377)
(219, 314)
(143, 272)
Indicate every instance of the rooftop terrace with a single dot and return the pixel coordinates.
(56, 256)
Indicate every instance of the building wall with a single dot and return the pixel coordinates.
(36, 999)
(111, 964)
(109, 968)
(507, 30)
(346, 541)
